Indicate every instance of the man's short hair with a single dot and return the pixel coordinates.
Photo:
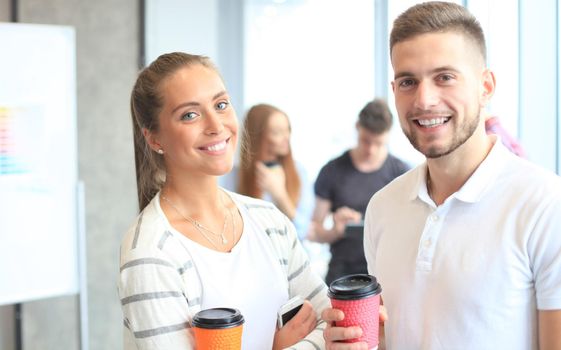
(376, 117)
(438, 17)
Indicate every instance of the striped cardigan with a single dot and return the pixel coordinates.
(160, 289)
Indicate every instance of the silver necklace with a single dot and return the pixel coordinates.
(201, 228)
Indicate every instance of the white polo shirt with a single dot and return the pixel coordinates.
(470, 273)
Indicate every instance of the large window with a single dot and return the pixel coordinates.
(499, 20)
(314, 59)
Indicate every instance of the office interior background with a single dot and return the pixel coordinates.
(319, 60)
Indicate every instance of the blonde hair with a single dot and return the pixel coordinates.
(146, 104)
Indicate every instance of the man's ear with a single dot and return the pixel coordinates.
(488, 86)
(151, 140)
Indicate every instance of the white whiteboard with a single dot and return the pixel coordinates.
(38, 162)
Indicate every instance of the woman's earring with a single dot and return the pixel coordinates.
(160, 151)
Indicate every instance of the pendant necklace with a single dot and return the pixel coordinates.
(201, 228)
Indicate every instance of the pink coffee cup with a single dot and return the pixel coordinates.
(358, 296)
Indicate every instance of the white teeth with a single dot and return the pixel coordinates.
(218, 147)
(432, 122)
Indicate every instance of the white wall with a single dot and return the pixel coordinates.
(181, 25)
(213, 28)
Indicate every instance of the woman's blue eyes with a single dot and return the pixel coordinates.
(189, 116)
(220, 106)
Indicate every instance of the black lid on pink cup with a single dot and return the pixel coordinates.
(218, 318)
(352, 287)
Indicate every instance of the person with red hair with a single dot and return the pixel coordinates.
(267, 168)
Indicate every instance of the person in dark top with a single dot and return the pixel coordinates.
(345, 185)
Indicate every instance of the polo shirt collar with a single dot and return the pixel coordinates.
(475, 187)
(419, 188)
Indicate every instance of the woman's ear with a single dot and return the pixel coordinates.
(152, 140)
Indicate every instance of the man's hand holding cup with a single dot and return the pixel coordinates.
(353, 322)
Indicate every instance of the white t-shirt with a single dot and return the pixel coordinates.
(305, 206)
(470, 273)
(240, 279)
(160, 288)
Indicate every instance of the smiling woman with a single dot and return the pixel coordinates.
(194, 245)
(197, 128)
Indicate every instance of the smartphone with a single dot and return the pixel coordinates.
(289, 310)
(355, 230)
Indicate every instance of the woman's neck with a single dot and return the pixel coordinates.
(193, 195)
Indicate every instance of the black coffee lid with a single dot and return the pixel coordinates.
(352, 287)
(218, 318)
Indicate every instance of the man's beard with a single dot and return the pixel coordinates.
(459, 138)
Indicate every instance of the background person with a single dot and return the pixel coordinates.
(493, 126)
(466, 245)
(194, 245)
(267, 169)
(345, 185)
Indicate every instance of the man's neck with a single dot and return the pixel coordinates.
(447, 174)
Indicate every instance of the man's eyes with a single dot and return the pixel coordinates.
(445, 77)
(222, 105)
(406, 83)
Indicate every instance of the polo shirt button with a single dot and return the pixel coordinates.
(427, 243)
(434, 217)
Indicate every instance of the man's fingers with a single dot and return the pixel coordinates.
(348, 346)
(383, 314)
(341, 333)
(347, 215)
(330, 315)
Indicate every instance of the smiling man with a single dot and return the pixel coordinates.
(467, 245)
